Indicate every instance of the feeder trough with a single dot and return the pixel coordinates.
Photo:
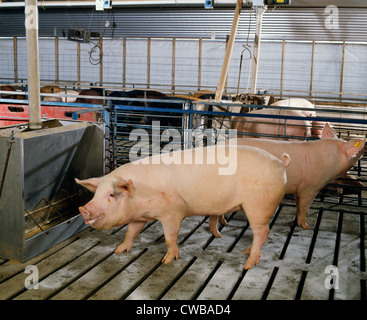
(39, 198)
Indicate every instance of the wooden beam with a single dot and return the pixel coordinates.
(31, 24)
(227, 58)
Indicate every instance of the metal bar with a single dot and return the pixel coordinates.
(231, 114)
(11, 141)
(51, 204)
(200, 62)
(78, 61)
(100, 61)
(256, 49)
(15, 53)
(342, 73)
(282, 70)
(173, 65)
(148, 61)
(78, 112)
(124, 62)
(312, 62)
(56, 58)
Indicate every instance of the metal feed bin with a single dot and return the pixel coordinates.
(39, 198)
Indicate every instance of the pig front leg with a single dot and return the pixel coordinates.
(171, 228)
(133, 230)
(303, 202)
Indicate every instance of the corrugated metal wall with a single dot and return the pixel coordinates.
(287, 23)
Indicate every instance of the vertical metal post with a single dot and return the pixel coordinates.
(342, 74)
(256, 50)
(78, 61)
(15, 54)
(282, 71)
(100, 61)
(148, 62)
(31, 24)
(173, 64)
(199, 62)
(312, 60)
(227, 58)
(56, 58)
(124, 62)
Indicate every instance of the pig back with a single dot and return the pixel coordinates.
(205, 189)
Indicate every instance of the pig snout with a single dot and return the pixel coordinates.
(85, 213)
(91, 216)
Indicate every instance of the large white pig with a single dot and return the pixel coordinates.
(273, 128)
(314, 164)
(154, 190)
(316, 126)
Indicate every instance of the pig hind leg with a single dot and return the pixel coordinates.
(303, 203)
(260, 234)
(258, 217)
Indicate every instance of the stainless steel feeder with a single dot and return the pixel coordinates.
(39, 198)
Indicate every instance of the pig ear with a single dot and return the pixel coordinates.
(91, 184)
(127, 187)
(328, 132)
(353, 147)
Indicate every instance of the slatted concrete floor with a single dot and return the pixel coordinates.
(292, 266)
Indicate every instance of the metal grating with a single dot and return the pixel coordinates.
(293, 263)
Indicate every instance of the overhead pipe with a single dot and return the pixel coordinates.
(31, 25)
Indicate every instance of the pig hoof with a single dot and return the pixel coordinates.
(123, 247)
(168, 258)
(216, 233)
(251, 261)
(247, 250)
(303, 224)
(223, 221)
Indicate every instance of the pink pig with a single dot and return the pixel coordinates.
(275, 128)
(138, 192)
(316, 127)
(314, 164)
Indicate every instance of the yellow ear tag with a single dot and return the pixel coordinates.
(357, 144)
